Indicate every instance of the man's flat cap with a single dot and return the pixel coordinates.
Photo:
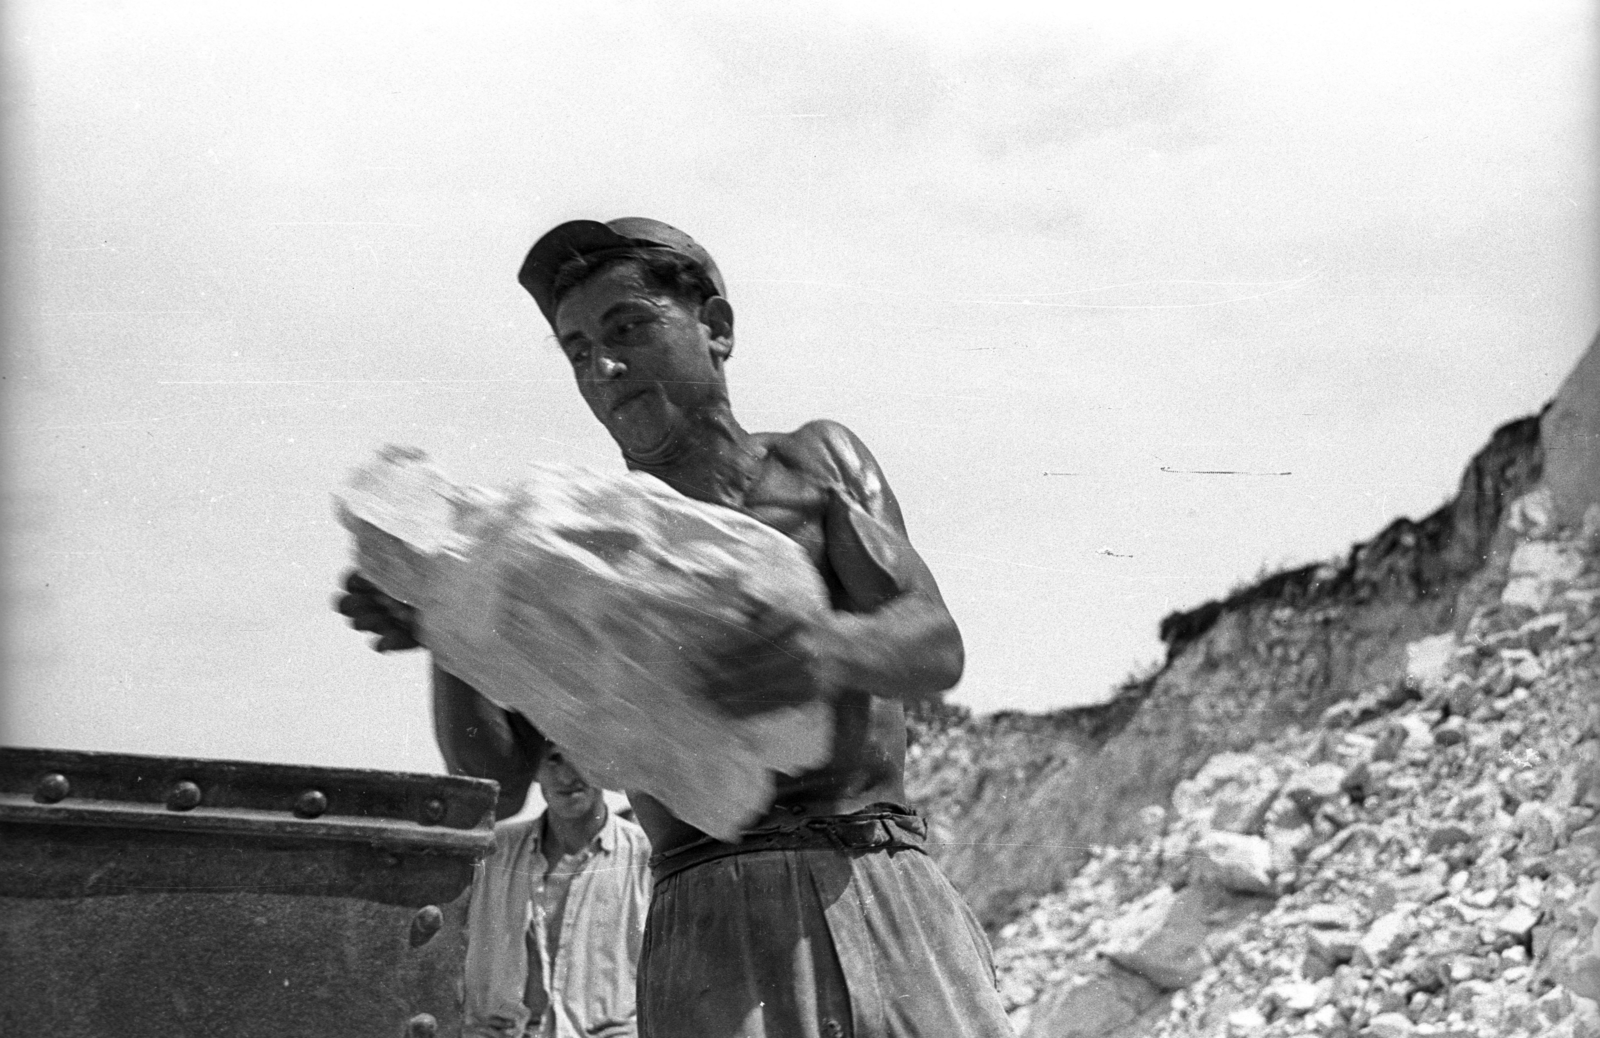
(590, 238)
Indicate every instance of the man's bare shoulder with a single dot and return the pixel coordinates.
(822, 447)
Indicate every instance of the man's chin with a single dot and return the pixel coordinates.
(646, 449)
(650, 440)
(570, 805)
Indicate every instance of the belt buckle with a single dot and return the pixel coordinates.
(862, 835)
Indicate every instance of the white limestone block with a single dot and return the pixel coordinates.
(1161, 937)
(1538, 570)
(1236, 862)
(599, 607)
(1428, 661)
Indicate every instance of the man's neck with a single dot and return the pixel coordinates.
(566, 836)
(709, 458)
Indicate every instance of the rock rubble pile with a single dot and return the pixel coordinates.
(1423, 861)
(1272, 655)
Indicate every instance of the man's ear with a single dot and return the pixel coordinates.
(716, 314)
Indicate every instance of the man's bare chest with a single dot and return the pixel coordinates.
(793, 503)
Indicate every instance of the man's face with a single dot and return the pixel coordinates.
(566, 793)
(642, 359)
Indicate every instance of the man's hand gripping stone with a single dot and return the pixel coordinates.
(370, 610)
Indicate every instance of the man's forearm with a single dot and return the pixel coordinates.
(908, 649)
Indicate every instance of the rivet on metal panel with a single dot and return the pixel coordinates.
(52, 789)
(311, 803)
(423, 1025)
(183, 796)
(432, 811)
(425, 924)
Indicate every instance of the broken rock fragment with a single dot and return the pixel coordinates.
(1334, 947)
(1518, 922)
(1389, 1025)
(604, 609)
(1162, 938)
(1296, 997)
(1232, 791)
(1095, 1003)
(1315, 786)
(1242, 864)
(1451, 733)
(1538, 570)
(1537, 828)
(1428, 661)
(1384, 938)
(1447, 835)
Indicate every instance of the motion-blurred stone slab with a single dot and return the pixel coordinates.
(602, 608)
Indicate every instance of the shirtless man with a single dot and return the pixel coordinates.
(826, 919)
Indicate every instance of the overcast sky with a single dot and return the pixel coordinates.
(1049, 266)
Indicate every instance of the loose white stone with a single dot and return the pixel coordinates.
(601, 607)
(1538, 570)
(1389, 1025)
(1384, 937)
(1428, 661)
(1517, 922)
(1161, 938)
(1242, 864)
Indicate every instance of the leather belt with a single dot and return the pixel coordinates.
(882, 829)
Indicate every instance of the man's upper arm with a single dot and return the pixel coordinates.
(867, 542)
(480, 739)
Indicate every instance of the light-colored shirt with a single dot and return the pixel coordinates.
(544, 933)
(589, 973)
